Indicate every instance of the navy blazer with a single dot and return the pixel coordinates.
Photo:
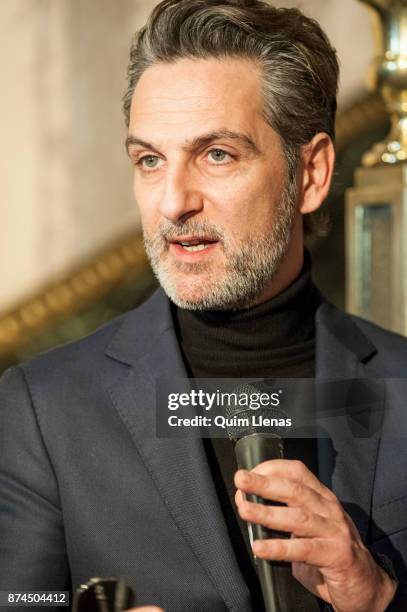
(87, 489)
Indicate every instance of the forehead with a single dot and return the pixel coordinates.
(177, 98)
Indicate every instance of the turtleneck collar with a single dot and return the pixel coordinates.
(284, 321)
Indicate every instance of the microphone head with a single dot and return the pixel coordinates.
(243, 420)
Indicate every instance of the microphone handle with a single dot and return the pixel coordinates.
(275, 577)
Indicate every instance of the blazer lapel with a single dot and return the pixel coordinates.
(148, 349)
(346, 462)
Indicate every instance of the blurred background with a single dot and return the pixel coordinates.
(70, 251)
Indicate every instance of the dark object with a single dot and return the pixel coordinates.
(103, 595)
(274, 579)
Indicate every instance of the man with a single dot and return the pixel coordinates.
(231, 109)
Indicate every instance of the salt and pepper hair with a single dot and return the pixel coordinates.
(299, 66)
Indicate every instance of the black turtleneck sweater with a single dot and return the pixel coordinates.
(275, 339)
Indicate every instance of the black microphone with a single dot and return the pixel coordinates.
(103, 595)
(254, 444)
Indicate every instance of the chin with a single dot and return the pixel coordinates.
(204, 292)
(208, 300)
(189, 291)
(191, 299)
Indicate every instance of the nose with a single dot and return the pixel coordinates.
(181, 197)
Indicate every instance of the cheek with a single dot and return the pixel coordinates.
(232, 196)
(149, 221)
(145, 201)
(139, 191)
(257, 188)
(247, 207)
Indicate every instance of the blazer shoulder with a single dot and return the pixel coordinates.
(86, 355)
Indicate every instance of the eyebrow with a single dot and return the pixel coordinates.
(202, 141)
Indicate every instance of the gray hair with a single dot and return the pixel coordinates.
(299, 66)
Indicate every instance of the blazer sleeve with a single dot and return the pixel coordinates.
(32, 543)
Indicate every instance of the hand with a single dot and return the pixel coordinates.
(327, 554)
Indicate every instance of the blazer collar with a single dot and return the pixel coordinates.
(342, 349)
(140, 329)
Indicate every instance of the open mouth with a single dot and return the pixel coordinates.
(194, 245)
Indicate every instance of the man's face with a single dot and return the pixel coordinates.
(210, 180)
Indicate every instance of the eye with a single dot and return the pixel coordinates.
(149, 162)
(219, 156)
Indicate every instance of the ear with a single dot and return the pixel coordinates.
(318, 161)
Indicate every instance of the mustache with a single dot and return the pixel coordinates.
(171, 231)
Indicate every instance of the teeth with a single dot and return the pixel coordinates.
(198, 247)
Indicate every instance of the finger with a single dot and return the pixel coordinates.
(239, 497)
(293, 520)
(295, 470)
(291, 492)
(317, 552)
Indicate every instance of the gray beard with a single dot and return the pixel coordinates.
(248, 270)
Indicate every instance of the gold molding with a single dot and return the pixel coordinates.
(358, 119)
(80, 289)
(91, 282)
